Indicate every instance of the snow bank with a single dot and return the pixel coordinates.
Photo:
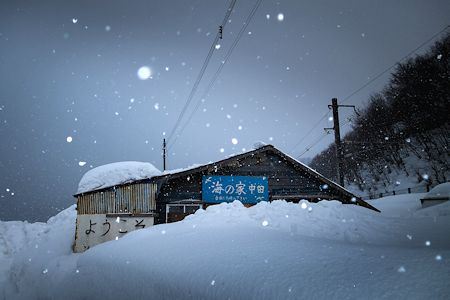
(439, 192)
(271, 250)
(116, 173)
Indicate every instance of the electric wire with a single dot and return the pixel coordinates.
(367, 84)
(202, 71)
(219, 70)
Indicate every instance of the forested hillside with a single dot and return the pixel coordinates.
(403, 134)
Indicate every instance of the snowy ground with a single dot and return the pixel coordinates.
(272, 250)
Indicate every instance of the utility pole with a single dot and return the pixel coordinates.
(164, 154)
(337, 138)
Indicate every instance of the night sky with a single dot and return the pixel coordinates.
(69, 69)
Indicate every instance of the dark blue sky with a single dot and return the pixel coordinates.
(62, 78)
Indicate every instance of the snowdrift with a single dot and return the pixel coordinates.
(271, 250)
(116, 173)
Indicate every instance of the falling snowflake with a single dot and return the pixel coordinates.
(217, 46)
(234, 141)
(132, 100)
(107, 28)
(427, 243)
(45, 271)
(213, 282)
(409, 236)
(239, 127)
(167, 68)
(265, 223)
(222, 150)
(439, 56)
(81, 163)
(401, 269)
(144, 73)
(267, 16)
(280, 17)
(69, 139)
(438, 257)
(304, 205)
(74, 21)
(156, 106)
(163, 232)
(425, 176)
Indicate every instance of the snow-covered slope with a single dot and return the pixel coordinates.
(116, 173)
(275, 250)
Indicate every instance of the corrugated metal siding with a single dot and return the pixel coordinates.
(138, 198)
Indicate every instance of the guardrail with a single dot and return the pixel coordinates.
(416, 189)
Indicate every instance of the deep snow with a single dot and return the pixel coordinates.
(116, 173)
(271, 250)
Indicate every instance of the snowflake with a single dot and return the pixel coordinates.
(144, 73)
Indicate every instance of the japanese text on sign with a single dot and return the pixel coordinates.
(247, 189)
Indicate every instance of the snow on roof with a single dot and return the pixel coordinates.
(439, 192)
(179, 170)
(116, 173)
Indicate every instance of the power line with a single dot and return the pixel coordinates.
(312, 145)
(320, 139)
(395, 64)
(309, 132)
(219, 70)
(365, 85)
(202, 70)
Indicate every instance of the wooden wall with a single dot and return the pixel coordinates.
(285, 181)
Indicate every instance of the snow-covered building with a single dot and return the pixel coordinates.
(112, 200)
(263, 174)
(117, 198)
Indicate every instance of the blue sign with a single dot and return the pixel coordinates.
(247, 189)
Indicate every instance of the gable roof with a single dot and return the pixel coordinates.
(267, 148)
